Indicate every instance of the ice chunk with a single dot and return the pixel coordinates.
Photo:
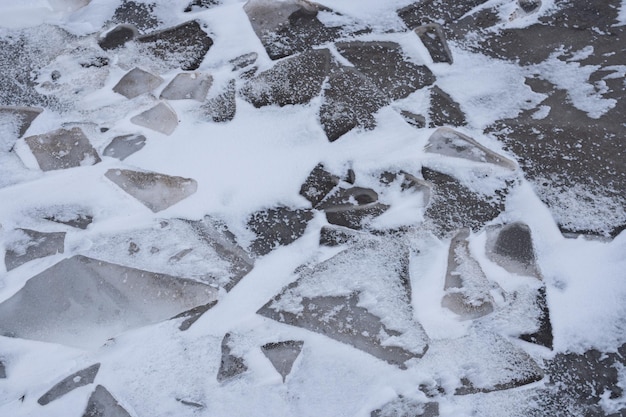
(350, 101)
(117, 36)
(62, 149)
(444, 110)
(407, 407)
(283, 355)
(74, 216)
(434, 39)
(386, 66)
(511, 247)
(422, 12)
(454, 206)
(31, 244)
(408, 183)
(467, 287)
(449, 142)
(155, 191)
(82, 302)
(103, 404)
(277, 226)
(543, 335)
(353, 207)
(360, 297)
(137, 82)
(18, 117)
(413, 119)
(160, 118)
(77, 379)
(318, 184)
(222, 108)
(244, 60)
(183, 46)
(295, 80)
(288, 27)
(230, 365)
(121, 147)
(193, 86)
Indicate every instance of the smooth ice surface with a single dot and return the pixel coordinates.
(283, 355)
(161, 118)
(137, 82)
(82, 302)
(77, 379)
(62, 149)
(193, 86)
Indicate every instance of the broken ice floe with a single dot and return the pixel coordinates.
(27, 245)
(318, 184)
(277, 226)
(121, 147)
(407, 407)
(434, 39)
(203, 250)
(230, 365)
(283, 355)
(467, 288)
(444, 110)
(353, 207)
(137, 82)
(118, 36)
(76, 380)
(160, 118)
(62, 149)
(511, 247)
(386, 66)
(155, 191)
(102, 403)
(449, 142)
(360, 297)
(190, 86)
(82, 302)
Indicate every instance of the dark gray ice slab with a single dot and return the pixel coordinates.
(283, 355)
(289, 27)
(444, 110)
(103, 404)
(295, 80)
(76, 380)
(31, 244)
(511, 247)
(155, 191)
(467, 288)
(336, 298)
(117, 36)
(230, 365)
(183, 46)
(137, 13)
(62, 149)
(350, 101)
(18, 117)
(386, 66)
(82, 302)
(454, 206)
(223, 107)
(428, 11)
(407, 407)
(434, 39)
(121, 147)
(318, 184)
(578, 383)
(353, 207)
(449, 142)
(190, 86)
(137, 82)
(276, 227)
(160, 118)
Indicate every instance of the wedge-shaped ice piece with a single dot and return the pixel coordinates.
(19, 117)
(511, 247)
(103, 404)
(467, 287)
(121, 147)
(117, 36)
(444, 110)
(230, 365)
(137, 82)
(434, 39)
(160, 118)
(76, 380)
(386, 66)
(27, 245)
(353, 207)
(318, 184)
(283, 355)
(155, 191)
(83, 301)
(277, 226)
(360, 297)
(223, 107)
(449, 142)
(188, 85)
(62, 149)
(483, 361)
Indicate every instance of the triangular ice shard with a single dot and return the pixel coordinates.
(230, 365)
(76, 380)
(283, 355)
